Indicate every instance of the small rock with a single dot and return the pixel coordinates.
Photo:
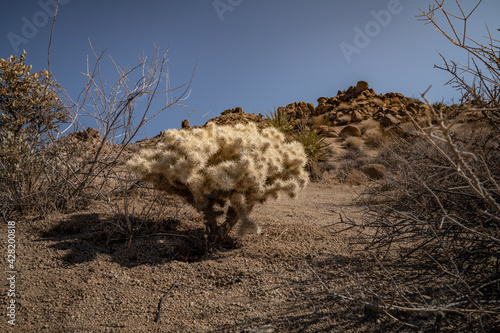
(263, 329)
(327, 131)
(322, 100)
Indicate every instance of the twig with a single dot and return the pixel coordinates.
(393, 307)
(168, 234)
(157, 319)
(50, 39)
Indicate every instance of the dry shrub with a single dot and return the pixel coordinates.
(368, 124)
(30, 115)
(434, 227)
(352, 160)
(435, 239)
(138, 210)
(344, 120)
(315, 122)
(374, 138)
(45, 169)
(353, 143)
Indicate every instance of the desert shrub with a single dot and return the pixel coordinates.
(281, 121)
(45, 169)
(314, 143)
(315, 122)
(30, 114)
(352, 159)
(374, 138)
(433, 226)
(344, 120)
(218, 166)
(316, 148)
(353, 143)
(368, 124)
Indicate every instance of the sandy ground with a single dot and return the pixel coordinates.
(70, 280)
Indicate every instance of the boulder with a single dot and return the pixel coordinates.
(327, 131)
(360, 87)
(322, 100)
(350, 130)
(333, 100)
(389, 121)
(89, 134)
(298, 110)
(311, 107)
(323, 108)
(356, 116)
(412, 108)
(236, 116)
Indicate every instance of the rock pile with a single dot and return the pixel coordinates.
(237, 115)
(348, 107)
(358, 103)
(87, 135)
(297, 110)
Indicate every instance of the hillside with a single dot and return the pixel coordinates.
(309, 270)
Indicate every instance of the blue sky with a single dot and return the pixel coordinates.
(256, 54)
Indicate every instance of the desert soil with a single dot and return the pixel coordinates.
(284, 280)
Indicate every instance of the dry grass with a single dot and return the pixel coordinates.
(344, 120)
(368, 124)
(374, 138)
(354, 143)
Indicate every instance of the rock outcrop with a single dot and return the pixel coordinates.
(87, 135)
(185, 124)
(237, 115)
(348, 107)
(360, 102)
(298, 110)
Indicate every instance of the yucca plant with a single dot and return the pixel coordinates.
(280, 121)
(316, 148)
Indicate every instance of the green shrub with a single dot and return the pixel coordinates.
(280, 121)
(316, 148)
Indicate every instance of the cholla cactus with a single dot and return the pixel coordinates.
(212, 166)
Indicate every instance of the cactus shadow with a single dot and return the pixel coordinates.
(84, 237)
